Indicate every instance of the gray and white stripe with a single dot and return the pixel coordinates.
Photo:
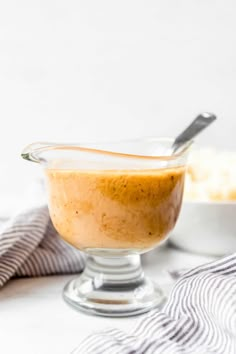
(30, 246)
(199, 317)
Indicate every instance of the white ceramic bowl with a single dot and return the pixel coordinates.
(206, 228)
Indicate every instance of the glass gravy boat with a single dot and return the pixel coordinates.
(113, 201)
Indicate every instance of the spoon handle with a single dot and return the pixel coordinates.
(199, 123)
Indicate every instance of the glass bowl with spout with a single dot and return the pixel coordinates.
(113, 201)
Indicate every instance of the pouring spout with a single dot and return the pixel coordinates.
(31, 152)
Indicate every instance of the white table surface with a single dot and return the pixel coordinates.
(34, 319)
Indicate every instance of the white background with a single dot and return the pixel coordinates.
(95, 70)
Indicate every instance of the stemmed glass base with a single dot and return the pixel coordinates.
(114, 287)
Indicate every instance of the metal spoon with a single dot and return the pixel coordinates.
(200, 123)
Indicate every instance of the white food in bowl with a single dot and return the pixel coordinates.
(207, 223)
(211, 176)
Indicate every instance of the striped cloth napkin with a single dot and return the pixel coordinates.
(30, 246)
(199, 318)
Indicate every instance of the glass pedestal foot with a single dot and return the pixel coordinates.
(114, 287)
